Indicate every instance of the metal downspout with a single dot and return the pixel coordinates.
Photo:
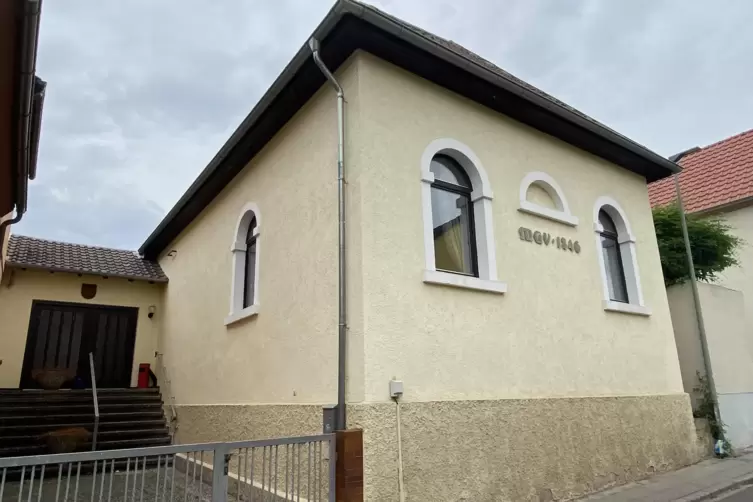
(28, 62)
(340, 423)
(697, 302)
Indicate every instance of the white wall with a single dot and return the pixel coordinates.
(730, 352)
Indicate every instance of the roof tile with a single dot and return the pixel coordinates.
(31, 252)
(719, 174)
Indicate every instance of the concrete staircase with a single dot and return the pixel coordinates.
(128, 418)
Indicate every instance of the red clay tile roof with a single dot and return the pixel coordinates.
(30, 252)
(713, 176)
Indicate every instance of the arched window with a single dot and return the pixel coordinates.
(617, 259)
(457, 217)
(250, 271)
(610, 248)
(244, 293)
(452, 218)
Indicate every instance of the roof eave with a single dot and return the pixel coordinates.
(663, 167)
(287, 74)
(387, 24)
(12, 264)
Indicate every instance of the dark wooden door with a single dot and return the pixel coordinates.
(61, 336)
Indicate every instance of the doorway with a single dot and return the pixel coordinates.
(61, 336)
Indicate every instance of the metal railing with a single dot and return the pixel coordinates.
(298, 469)
(167, 391)
(96, 403)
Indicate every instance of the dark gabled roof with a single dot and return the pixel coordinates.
(715, 176)
(351, 25)
(30, 252)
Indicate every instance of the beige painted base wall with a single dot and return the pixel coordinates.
(19, 288)
(494, 450)
(201, 424)
(523, 449)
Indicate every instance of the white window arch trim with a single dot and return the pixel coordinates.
(626, 241)
(238, 250)
(562, 212)
(481, 198)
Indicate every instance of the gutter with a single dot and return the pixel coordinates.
(292, 68)
(30, 88)
(386, 23)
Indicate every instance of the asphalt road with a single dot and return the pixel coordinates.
(742, 495)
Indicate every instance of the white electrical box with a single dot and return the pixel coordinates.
(396, 388)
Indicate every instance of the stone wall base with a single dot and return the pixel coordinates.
(491, 450)
(527, 449)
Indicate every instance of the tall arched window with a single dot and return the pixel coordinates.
(250, 272)
(456, 200)
(610, 247)
(244, 292)
(618, 259)
(452, 218)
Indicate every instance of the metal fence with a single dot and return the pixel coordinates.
(295, 469)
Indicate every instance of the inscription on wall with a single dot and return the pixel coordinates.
(547, 239)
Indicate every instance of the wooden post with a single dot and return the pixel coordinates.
(349, 466)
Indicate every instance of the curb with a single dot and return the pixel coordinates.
(715, 492)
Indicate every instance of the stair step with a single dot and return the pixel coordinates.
(70, 409)
(16, 430)
(78, 399)
(116, 444)
(36, 439)
(106, 390)
(121, 444)
(64, 419)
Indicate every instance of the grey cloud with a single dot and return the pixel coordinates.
(142, 94)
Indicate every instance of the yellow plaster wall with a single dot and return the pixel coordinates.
(287, 353)
(20, 287)
(548, 335)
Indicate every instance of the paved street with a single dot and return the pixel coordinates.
(741, 495)
(703, 481)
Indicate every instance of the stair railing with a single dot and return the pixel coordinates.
(166, 387)
(96, 401)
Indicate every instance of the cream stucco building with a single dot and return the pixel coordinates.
(499, 260)
(716, 183)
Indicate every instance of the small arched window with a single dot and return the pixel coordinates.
(542, 196)
(244, 292)
(610, 247)
(452, 218)
(250, 262)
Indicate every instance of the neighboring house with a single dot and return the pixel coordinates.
(72, 300)
(21, 98)
(717, 180)
(500, 258)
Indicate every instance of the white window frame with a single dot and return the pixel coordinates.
(562, 212)
(481, 198)
(238, 250)
(626, 241)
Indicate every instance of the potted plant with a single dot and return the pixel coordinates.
(52, 378)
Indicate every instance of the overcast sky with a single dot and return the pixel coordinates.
(142, 94)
